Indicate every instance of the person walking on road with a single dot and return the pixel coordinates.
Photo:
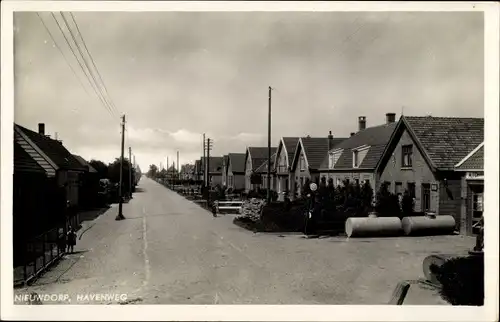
(71, 239)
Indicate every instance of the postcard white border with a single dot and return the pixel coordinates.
(255, 312)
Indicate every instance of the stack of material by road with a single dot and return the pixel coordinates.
(433, 263)
(251, 209)
(380, 226)
(428, 225)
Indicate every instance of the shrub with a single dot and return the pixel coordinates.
(367, 197)
(387, 204)
(462, 280)
(407, 204)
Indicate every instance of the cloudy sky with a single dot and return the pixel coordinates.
(178, 75)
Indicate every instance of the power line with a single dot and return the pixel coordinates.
(79, 63)
(62, 53)
(91, 58)
(85, 62)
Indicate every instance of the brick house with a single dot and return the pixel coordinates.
(422, 157)
(236, 171)
(472, 188)
(282, 164)
(61, 167)
(254, 158)
(355, 159)
(89, 185)
(31, 195)
(306, 163)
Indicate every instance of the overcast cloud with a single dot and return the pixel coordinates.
(178, 75)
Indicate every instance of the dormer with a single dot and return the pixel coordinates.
(333, 157)
(358, 155)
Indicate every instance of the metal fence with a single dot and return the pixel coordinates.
(39, 253)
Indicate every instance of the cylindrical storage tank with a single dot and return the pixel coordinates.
(437, 260)
(427, 225)
(380, 226)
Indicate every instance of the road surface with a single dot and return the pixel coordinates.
(171, 251)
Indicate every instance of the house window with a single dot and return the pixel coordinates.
(367, 182)
(411, 189)
(426, 197)
(355, 159)
(407, 155)
(477, 211)
(302, 163)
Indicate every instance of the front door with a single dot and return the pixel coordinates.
(426, 197)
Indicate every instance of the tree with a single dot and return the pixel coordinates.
(101, 168)
(153, 171)
(114, 171)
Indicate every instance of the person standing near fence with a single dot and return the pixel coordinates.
(71, 239)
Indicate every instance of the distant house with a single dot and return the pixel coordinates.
(282, 164)
(198, 170)
(215, 171)
(225, 164)
(308, 157)
(60, 166)
(236, 171)
(356, 158)
(254, 158)
(429, 156)
(89, 185)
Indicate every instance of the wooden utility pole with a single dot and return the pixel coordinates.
(178, 168)
(120, 189)
(269, 150)
(130, 172)
(204, 163)
(208, 170)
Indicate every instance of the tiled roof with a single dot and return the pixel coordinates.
(215, 164)
(84, 163)
(263, 167)
(54, 149)
(237, 161)
(259, 155)
(447, 140)
(290, 145)
(376, 137)
(316, 150)
(23, 162)
(474, 162)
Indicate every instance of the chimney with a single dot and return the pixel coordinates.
(352, 133)
(330, 141)
(390, 118)
(362, 123)
(41, 128)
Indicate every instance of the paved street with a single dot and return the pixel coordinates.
(170, 251)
